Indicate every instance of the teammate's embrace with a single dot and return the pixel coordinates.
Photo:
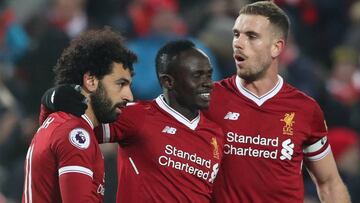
(64, 162)
(169, 152)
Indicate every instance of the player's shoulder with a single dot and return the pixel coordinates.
(297, 95)
(139, 106)
(72, 131)
(226, 83)
(209, 124)
(225, 88)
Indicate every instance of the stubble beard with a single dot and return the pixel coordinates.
(253, 72)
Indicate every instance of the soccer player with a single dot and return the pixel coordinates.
(169, 152)
(64, 162)
(270, 127)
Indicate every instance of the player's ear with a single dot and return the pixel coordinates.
(166, 81)
(90, 82)
(277, 47)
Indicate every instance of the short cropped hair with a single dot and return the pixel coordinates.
(167, 56)
(272, 12)
(94, 52)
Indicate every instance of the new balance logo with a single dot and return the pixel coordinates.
(169, 130)
(232, 116)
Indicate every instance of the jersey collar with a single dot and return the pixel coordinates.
(259, 100)
(87, 119)
(160, 101)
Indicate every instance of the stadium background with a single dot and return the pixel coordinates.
(322, 60)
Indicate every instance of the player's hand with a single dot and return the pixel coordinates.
(65, 98)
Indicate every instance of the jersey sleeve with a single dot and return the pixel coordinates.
(317, 145)
(75, 148)
(75, 188)
(126, 125)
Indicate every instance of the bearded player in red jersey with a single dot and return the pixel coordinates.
(64, 162)
(169, 152)
(270, 127)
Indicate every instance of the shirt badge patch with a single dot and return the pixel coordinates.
(215, 148)
(80, 138)
(289, 122)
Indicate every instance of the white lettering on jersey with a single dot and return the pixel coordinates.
(169, 130)
(288, 150)
(191, 163)
(46, 123)
(101, 189)
(80, 138)
(232, 116)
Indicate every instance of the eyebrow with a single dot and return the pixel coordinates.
(123, 80)
(252, 33)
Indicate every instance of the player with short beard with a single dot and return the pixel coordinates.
(64, 162)
(270, 127)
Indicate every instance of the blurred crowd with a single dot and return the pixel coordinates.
(322, 59)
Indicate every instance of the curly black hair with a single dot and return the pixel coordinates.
(95, 52)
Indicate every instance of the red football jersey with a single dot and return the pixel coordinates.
(164, 157)
(64, 162)
(266, 140)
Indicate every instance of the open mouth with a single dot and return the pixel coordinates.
(239, 57)
(205, 96)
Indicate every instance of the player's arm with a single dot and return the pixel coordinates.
(76, 187)
(329, 185)
(127, 124)
(75, 154)
(321, 164)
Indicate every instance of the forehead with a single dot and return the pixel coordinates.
(248, 22)
(119, 72)
(193, 60)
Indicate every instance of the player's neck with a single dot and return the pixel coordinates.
(89, 110)
(263, 85)
(91, 115)
(190, 114)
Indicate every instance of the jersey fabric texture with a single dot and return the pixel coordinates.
(64, 162)
(266, 140)
(164, 157)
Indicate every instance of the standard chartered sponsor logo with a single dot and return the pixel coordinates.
(168, 161)
(286, 152)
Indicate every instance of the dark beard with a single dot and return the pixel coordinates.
(102, 105)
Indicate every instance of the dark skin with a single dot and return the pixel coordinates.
(188, 84)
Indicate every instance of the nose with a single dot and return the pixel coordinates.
(127, 94)
(207, 82)
(238, 43)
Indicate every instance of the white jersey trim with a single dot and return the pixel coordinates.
(182, 119)
(75, 169)
(319, 156)
(106, 132)
(87, 119)
(316, 146)
(134, 166)
(28, 178)
(259, 100)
